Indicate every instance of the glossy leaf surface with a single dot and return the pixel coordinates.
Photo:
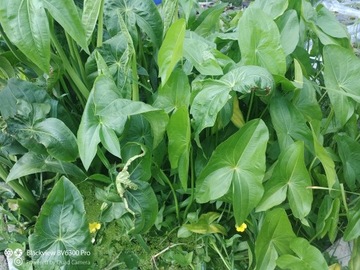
(259, 41)
(61, 231)
(237, 166)
(290, 179)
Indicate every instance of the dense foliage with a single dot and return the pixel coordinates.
(156, 137)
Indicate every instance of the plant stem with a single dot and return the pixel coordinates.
(99, 40)
(328, 120)
(344, 198)
(84, 92)
(135, 86)
(250, 106)
(213, 245)
(164, 178)
(192, 183)
(76, 56)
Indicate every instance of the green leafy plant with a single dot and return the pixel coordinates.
(141, 136)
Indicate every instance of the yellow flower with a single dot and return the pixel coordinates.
(241, 228)
(95, 226)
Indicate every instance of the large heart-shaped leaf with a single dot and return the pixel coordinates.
(16, 91)
(290, 178)
(274, 8)
(113, 58)
(289, 123)
(306, 257)
(274, 238)
(105, 107)
(51, 134)
(289, 27)
(61, 235)
(259, 41)
(208, 103)
(175, 93)
(341, 75)
(200, 53)
(247, 79)
(35, 163)
(238, 162)
(141, 13)
(215, 94)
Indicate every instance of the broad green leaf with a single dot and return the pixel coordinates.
(208, 103)
(66, 14)
(305, 101)
(88, 135)
(289, 28)
(116, 113)
(115, 54)
(274, 8)
(51, 134)
(349, 152)
(306, 257)
(273, 239)
(110, 140)
(137, 130)
(325, 159)
(16, 91)
(215, 94)
(290, 176)
(145, 205)
(206, 224)
(175, 93)
(238, 162)
(352, 230)
(61, 234)
(342, 80)
(90, 15)
(179, 134)
(31, 163)
(208, 21)
(26, 25)
(158, 120)
(289, 123)
(105, 107)
(171, 50)
(259, 41)
(201, 54)
(329, 24)
(247, 79)
(141, 13)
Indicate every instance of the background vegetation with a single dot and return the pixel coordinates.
(136, 136)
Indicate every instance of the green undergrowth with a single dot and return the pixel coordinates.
(172, 136)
